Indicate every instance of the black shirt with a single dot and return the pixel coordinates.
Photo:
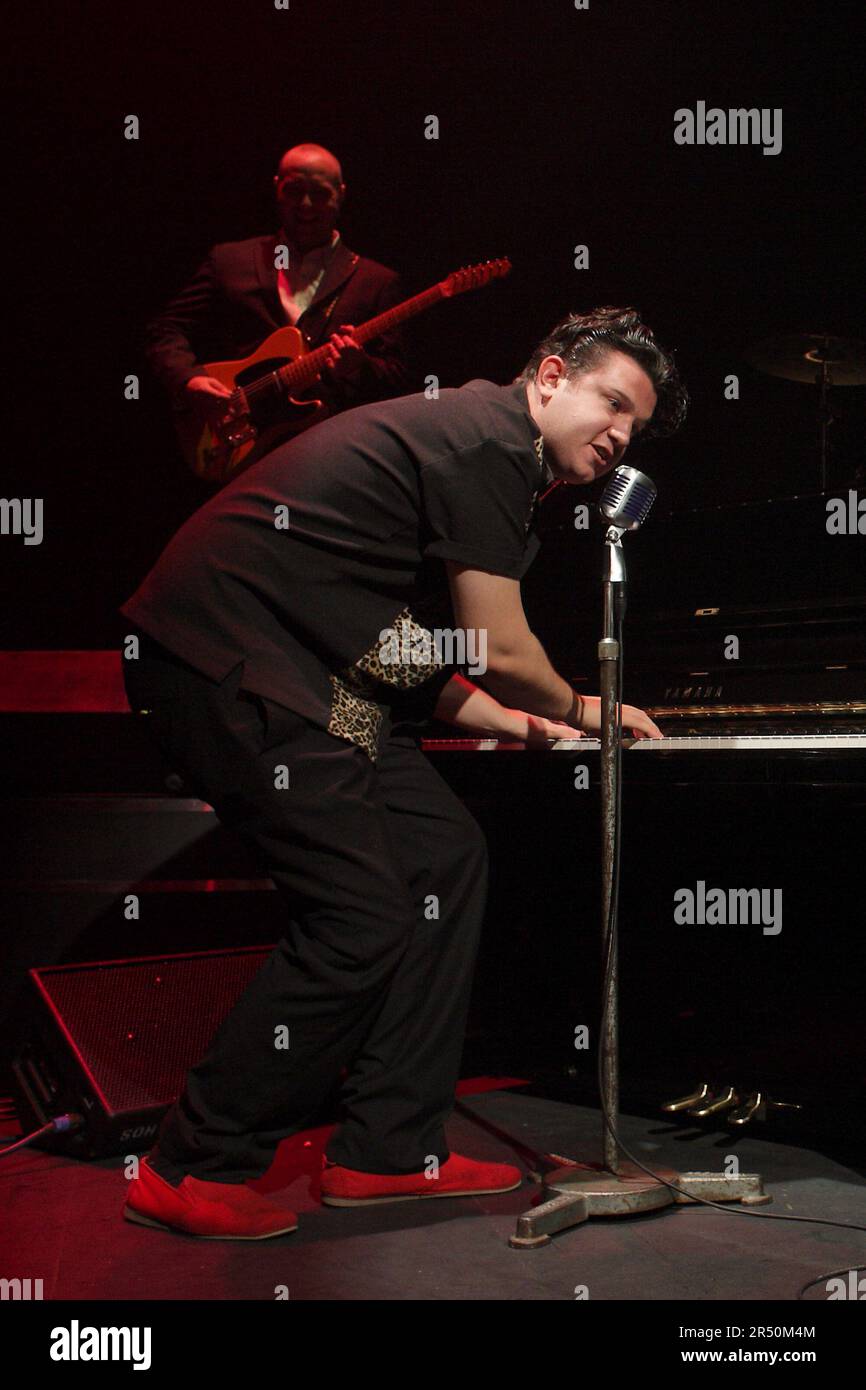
(299, 564)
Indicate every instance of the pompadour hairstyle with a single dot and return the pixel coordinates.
(584, 340)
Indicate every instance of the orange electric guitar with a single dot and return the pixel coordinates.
(264, 408)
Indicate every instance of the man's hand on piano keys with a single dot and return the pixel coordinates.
(469, 707)
(634, 721)
(540, 732)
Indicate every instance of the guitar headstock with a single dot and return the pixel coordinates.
(474, 276)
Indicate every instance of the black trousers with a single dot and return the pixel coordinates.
(383, 873)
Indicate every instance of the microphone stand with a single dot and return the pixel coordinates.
(609, 658)
(616, 1187)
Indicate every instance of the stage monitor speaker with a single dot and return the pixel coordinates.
(113, 1041)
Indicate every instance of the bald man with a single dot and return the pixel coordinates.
(240, 294)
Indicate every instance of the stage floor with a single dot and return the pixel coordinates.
(62, 1224)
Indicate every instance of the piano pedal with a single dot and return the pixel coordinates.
(742, 1107)
(715, 1105)
(755, 1108)
(759, 1106)
(672, 1107)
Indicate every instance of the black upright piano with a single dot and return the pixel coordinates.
(758, 783)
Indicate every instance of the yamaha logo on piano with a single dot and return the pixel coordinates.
(693, 692)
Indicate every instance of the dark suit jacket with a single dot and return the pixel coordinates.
(232, 303)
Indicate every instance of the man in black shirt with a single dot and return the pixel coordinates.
(283, 642)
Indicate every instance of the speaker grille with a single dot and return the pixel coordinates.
(139, 1025)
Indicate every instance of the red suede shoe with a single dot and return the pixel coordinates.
(458, 1177)
(212, 1210)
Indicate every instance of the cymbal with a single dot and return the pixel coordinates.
(798, 357)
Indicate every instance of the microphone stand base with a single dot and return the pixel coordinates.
(580, 1191)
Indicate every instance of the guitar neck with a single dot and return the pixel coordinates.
(294, 376)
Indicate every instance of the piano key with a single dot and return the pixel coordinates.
(703, 743)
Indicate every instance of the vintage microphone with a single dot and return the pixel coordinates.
(627, 499)
(625, 503)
